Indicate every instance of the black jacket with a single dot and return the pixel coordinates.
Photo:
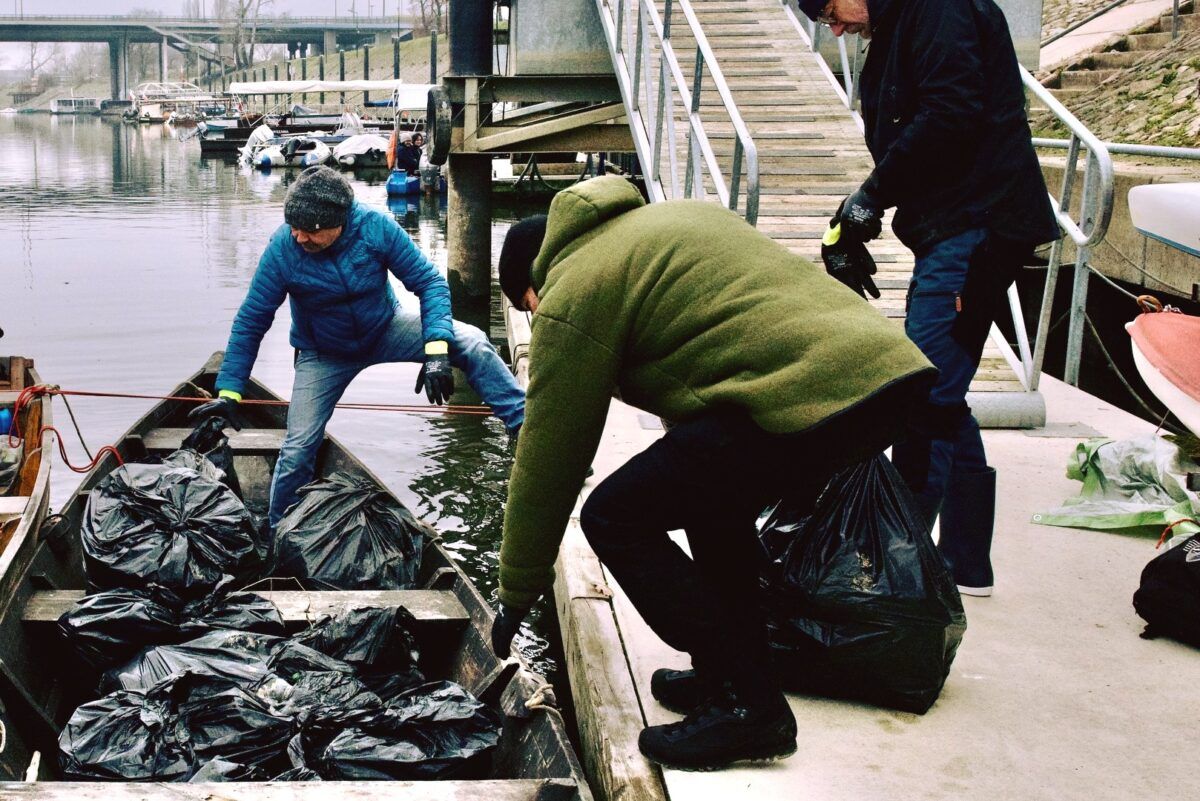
(944, 112)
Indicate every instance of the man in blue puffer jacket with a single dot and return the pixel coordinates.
(331, 258)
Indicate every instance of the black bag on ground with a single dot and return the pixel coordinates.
(128, 735)
(167, 526)
(1168, 598)
(348, 534)
(859, 603)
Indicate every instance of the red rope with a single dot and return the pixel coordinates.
(27, 396)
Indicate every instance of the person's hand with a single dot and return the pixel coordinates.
(848, 261)
(224, 407)
(436, 376)
(860, 215)
(504, 628)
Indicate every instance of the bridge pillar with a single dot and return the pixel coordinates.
(162, 59)
(469, 230)
(118, 64)
(329, 44)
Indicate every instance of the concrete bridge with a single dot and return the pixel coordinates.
(198, 37)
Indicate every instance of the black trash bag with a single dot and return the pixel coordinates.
(859, 603)
(234, 725)
(321, 699)
(435, 731)
(239, 611)
(1168, 598)
(109, 628)
(222, 770)
(232, 656)
(298, 775)
(291, 659)
(299, 771)
(348, 534)
(373, 639)
(168, 526)
(128, 735)
(208, 438)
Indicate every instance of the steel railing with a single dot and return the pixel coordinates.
(654, 88)
(850, 56)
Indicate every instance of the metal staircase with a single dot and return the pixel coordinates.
(733, 101)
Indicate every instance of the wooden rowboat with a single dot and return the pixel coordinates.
(23, 504)
(534, 760)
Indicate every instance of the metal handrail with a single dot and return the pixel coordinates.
(43, 19)
(640, 29)
(810, 32)
(1130, 149)
(1080, 23)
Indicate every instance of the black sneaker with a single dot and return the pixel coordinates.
(720, 733)
(680, 691)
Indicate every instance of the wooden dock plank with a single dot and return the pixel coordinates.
(297, 606)
(482, 790)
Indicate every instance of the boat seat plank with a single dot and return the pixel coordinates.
(298, 607)
(13, 505)
(248, 441)
(482, 790)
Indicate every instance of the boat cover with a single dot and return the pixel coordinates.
(1169, 341)
(357, 145)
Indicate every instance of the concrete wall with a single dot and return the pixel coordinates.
(1173, 266)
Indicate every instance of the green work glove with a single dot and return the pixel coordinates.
(436, 376)
(224, 407)
(848, 261)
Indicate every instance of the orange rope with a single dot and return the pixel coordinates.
(27, 396)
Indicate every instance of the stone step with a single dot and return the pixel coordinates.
(1147, 41)
(1069, 97)
(1080, 79)
(1187, 22)
(1114, 59)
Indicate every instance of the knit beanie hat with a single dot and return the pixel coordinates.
(521, 246)
(319, 199)
(812, 8)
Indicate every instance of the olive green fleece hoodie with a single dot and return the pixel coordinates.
(680, 307)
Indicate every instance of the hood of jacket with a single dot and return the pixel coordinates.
(577, 211)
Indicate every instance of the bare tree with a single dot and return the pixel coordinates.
(432, 15)
(243, 17)
(40, 56)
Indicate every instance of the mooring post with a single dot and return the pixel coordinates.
(396, 58)
(366, 72)
(469, 212)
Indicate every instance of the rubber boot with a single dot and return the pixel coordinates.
(968, 518)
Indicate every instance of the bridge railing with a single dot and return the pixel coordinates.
(661, 105)
(67, 19)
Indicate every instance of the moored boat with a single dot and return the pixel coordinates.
(533, 759)
(24, 464)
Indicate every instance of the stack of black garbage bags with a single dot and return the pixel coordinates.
(201, 682)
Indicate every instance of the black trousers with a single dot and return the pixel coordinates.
(712, 476)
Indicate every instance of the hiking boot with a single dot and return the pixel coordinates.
(722, 732)
(680, 691)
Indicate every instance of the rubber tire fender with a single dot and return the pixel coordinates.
(438, 125)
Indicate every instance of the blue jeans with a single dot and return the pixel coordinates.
(944, 437)
(322, 379)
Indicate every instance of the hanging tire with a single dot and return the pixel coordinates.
(438, 125)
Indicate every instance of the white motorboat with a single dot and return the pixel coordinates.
(295, 151)
(362, 150)
(1163, 339)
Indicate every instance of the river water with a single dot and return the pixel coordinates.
(123, 258)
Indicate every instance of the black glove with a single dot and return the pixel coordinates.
(225, 408)
(504, 628)
(848, 261)
(861, 216)
(436, 378)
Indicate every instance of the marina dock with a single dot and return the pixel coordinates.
(1053, 695)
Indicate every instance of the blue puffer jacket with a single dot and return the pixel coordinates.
(341, 299)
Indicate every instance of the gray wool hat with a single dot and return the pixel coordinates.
(319, 199)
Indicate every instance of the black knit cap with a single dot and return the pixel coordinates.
(319, 199)
(812, 8)
(521, 246)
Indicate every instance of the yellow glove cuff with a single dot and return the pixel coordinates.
(439, 347)
(229, 393)
(832, 235)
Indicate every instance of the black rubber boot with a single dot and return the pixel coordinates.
(968, 518)
(680, 691)
(723, 731)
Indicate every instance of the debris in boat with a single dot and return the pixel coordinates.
(126, 735)
(375, 639)
(208, 439)
(165, 525)
(222, 770)
(110, 627)
(1168, 598)
(235, 656)
(348, 534)
(1139, 483)
(860, 603)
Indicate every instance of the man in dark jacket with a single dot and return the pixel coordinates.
(332, 257)
(944, 113)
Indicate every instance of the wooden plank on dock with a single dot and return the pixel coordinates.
(248, 441)
(482, 790)
(298, 607)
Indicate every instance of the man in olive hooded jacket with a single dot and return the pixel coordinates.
(773, 376)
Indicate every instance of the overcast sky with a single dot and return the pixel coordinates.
(16, 55)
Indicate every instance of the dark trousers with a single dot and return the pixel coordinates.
(712, 477)
(944, 437)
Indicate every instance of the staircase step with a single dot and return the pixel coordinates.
(1081, 79)
(1115, 59)
(1187, 22)
(1148, 41)
(1069, 96)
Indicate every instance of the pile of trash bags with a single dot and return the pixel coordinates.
(343, 699)
(859, 603)
(200, 682)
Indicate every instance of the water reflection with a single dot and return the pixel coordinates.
(123, 257)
